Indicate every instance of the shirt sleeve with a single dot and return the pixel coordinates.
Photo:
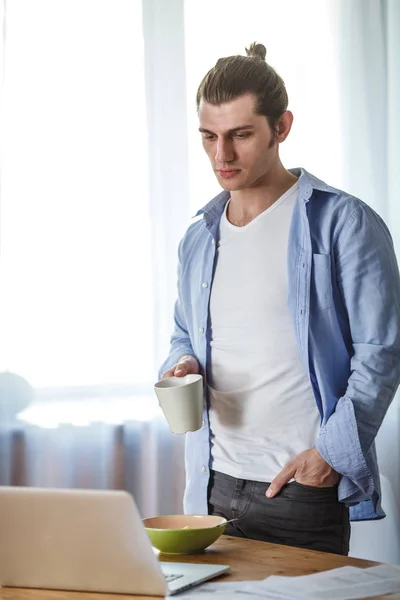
(180, 339)
(368, 278)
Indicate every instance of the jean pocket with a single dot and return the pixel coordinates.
(311, 494)
(322, 281)
(314, 487)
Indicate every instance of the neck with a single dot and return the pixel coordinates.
(245, 205)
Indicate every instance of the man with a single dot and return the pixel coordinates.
(289, 305)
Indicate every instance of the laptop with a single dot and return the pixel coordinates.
(85, 540)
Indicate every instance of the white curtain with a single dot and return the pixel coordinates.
(102, 168)
(368, 49)
(79, 346)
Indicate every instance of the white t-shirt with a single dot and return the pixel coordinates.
(262, 408)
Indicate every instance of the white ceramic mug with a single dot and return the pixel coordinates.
(181, 399)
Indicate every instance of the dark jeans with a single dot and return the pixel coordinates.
(300, 515)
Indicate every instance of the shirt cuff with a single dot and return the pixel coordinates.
(339, 445)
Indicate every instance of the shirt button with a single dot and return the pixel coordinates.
(204, 469)
(205, 284)
(213, 241)
(203, 423)
(201, 329)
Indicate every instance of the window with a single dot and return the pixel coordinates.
(75, 269)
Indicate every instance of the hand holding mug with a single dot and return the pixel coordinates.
(186, 365)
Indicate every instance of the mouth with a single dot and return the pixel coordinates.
(227, 173)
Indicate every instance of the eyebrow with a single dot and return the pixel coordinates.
(234, 130)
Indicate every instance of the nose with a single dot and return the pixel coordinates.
(224, 152)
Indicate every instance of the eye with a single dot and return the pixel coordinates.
(208, 136)
(242, 136)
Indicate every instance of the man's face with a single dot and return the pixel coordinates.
(240, 144)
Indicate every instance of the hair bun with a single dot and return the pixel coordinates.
(257, 51)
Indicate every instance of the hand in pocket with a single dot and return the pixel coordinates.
(307, 468)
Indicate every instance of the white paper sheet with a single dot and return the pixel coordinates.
(345, 583)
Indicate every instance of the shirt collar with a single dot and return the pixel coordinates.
(307, 184)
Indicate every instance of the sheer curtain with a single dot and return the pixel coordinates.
(77, 350)
(369, 68)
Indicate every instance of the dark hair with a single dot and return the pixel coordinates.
(234, 76)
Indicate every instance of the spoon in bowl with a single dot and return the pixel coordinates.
(229, 521)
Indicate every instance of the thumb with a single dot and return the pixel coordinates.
(181, 369)
(280, 480)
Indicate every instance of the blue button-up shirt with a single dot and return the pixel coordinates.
(344, 300)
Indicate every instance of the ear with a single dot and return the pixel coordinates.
(284, 126)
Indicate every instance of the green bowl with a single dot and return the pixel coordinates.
(184, 534)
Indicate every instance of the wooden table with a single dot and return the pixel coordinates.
(248, 560)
